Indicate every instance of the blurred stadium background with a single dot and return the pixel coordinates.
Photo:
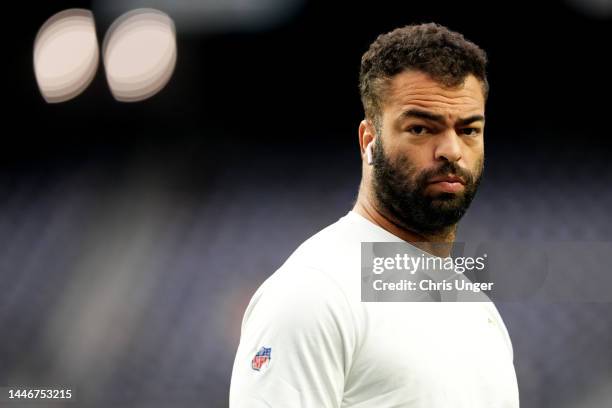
(133, 235)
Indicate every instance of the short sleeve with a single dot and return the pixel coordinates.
(296, 344)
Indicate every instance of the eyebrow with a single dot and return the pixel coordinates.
(434, 117)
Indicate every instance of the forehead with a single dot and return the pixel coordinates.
(415, 89)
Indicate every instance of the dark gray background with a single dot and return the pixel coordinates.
(133, 235)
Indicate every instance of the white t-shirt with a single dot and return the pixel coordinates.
(307, 340)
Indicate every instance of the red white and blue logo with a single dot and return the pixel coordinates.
(262, 359)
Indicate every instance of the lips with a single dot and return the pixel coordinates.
(447, 179)
(447, 184)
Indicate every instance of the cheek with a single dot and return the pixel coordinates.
(477, 164)
(474, 154)
(417, 156)
(411, 161)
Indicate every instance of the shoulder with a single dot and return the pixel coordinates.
(331, 250)
(297, 295)
(314, 289)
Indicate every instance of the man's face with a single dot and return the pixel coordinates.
(429, 155)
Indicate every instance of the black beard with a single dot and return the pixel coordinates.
(400, 191)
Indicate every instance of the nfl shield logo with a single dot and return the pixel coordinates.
(262, 358)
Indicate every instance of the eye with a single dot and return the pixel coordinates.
(470, 131)
(418, 130)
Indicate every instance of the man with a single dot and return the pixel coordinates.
(307, 339)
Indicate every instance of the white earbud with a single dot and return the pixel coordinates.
(368, 151)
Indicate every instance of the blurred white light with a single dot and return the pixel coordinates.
(210, 15)
(139, 54)
(66, 55)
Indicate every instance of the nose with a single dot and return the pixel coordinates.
(448, 147)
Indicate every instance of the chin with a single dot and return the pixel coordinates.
(447, 197)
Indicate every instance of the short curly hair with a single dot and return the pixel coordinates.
(443, 54)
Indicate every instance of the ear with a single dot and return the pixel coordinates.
(366, 135)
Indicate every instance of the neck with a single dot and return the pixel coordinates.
(438, 243)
